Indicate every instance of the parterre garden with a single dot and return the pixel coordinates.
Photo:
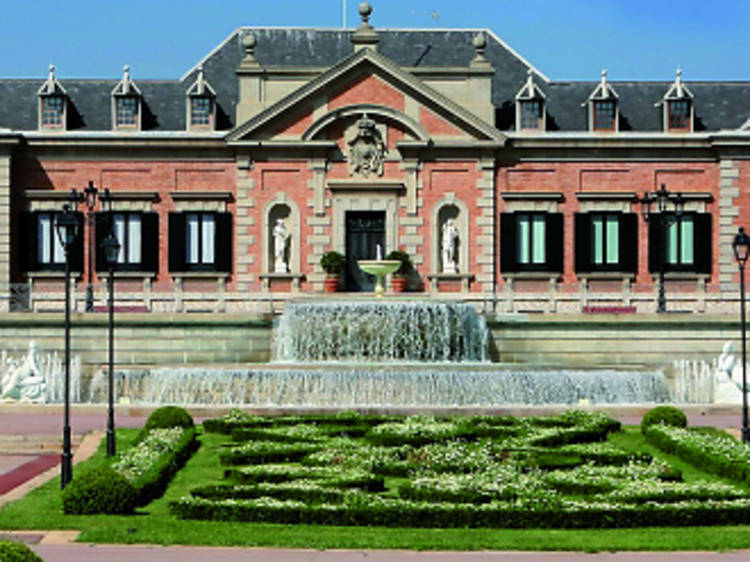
(407, 482)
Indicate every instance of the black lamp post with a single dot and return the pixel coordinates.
(67, 231)
(741, 247)
(661, 197)
(111, 250)
(90, 197)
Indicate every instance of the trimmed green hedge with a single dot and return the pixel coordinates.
(166, 417)
(308, 491)
(99, 490)
(667, 415)
(261, 452)
(328, 476)
(399, 513)
(153, 483)
(16, 552)
(725, 457)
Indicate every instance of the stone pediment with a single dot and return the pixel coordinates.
(365, 83)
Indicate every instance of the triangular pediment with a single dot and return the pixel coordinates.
(366, 82)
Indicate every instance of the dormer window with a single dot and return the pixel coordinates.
(602, 106)
(530, 114)
(53, 111)
(127, 111)
(201, 104)
(53, 103)
(126, 103)
(677, 106)
(604, 115)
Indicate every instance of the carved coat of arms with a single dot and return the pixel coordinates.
(366, 149)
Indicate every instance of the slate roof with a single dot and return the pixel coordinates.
(718, 105)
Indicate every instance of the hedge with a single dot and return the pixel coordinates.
(301, 490)
(11, 551)
(363, 511)
(261, 452)
(725, 457)
(328, 476)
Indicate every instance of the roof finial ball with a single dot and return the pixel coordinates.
(248, 43)
(480, 44)
(365, 11)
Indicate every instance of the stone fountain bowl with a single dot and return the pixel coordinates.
(379, 268)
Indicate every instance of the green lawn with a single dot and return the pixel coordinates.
(41, 509)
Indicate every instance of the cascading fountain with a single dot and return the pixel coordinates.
(382, 354)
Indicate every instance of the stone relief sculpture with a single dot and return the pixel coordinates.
(449, 242)
(280, 242)
(367, 149)
(22, 380)
(727, 389)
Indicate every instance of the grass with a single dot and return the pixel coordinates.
(41, 509)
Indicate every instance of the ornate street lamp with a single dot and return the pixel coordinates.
(741, 247)
(89, 194)
(111, 250)
(67, 231)
(662, 197)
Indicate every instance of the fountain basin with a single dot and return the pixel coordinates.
(379, 268)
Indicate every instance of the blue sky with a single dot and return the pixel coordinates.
(564, 39)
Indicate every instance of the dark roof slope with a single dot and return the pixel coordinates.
(718, 105)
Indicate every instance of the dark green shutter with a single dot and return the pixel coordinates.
(554, 242)
(583, 242)
(223, 241)
(150, 242)
(76, 252)
(629, 242)
(703, 243)
(177, 235)
(30, 242)
(508, 242)
(655, 245)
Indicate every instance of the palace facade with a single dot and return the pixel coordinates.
(502, 185)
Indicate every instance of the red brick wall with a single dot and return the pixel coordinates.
(162, 177)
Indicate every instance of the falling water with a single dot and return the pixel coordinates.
(381, 331)
(365, 386)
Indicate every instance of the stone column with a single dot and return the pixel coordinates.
(5, 161)
(320, 240)
(244, 256)
(729, 190)
(485, 225)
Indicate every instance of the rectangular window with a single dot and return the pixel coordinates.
(200, 238)
(679, 114)
(680, 240)
(52, 111)
(531, 239)
(127, 111)
(605, 239)
(200, 111)
(531, 115)
(127, 230)
(604, 115)
(50, 250)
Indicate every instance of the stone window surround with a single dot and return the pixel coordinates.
(211, 201)
(542, 201)
(63, 118)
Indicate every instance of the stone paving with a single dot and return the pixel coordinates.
(88, 424)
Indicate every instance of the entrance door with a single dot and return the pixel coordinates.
(364, 231)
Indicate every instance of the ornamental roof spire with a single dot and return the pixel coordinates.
(126, 86)
(51, 86)
(530, 91)
(365, 35)
(677, 91)
(603, 90)
(201, 87)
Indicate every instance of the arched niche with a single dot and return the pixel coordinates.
(281, 208)
(385, 113)
(450, 208)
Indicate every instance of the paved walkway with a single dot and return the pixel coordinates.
(58, 546)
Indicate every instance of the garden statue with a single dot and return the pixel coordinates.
(280, 240)
(23, 381)
(726, 389)
(367, 149)
(450, 240)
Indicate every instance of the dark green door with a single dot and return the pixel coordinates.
(365, 230)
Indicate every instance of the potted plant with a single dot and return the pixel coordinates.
(398, 280)
(333, 264)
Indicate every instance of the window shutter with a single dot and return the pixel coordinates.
(655, 249)
(76, 252)
(629, 242)
(508, 242)
(150, 242)
(703, 243)
(101, 230)
(583, 242)
(554, 242)
(223, 242)
(176, 242)
(29, 242)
